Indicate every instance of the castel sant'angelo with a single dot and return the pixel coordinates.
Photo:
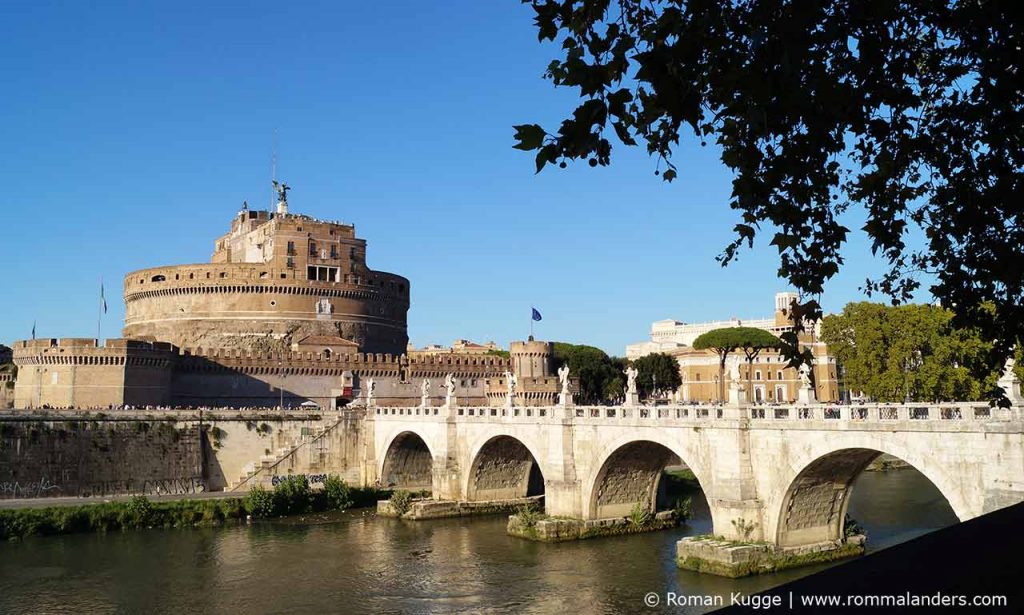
(287, 312)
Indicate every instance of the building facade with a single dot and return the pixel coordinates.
(768, 378)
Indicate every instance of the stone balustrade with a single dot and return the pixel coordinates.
(778, 416)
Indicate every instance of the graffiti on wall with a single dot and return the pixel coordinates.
(157, 486)
(31, 489)
(313, 479)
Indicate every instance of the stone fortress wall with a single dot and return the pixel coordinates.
(135, 452)
(78, 373)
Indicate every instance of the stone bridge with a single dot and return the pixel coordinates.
(778, 475)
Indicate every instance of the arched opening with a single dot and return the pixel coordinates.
(504, 469)
(408, 464)
(889, 507)
(647, 475)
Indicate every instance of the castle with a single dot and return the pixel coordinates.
(286, 313)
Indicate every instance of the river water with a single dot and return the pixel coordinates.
(355, 562)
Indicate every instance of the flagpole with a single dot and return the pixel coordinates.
(99, 314)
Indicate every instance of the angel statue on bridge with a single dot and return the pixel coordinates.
(563, 377)
(510, 380)
(425, 388)
(449, 384)
(631, 374)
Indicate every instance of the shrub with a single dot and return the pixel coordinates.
(744, 528)
(339, 495)
(641, 514)
(401, 502)
(292, 496)
(852, 528)
(684, 508)
(260, 502)
(138, 511)
(529, 514)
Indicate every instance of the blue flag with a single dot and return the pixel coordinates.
(33, 329)
(536, 314)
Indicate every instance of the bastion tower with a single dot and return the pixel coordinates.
(277, 281)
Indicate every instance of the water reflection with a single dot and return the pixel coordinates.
(358, 563)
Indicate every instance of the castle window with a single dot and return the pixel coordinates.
(334, 249)
(223, 274)
(291, 263)
(284, 276)
(291, 248)
(158, 278)
(757, 375)
(312, 248)
(779, 374)
(327, 353)
(263, 275)
(322, 274)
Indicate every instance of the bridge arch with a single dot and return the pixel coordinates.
(503, 467)
(408, 463)
(814, 505)
(629, 470)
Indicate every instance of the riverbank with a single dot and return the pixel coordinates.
(291, 496)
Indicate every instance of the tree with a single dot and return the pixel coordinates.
(909, 109)
(910, 352)
(657, 372)
(724, 341)
(594, 369)
(754, 341)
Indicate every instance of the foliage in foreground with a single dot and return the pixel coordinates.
(291, 496)
(908, 111)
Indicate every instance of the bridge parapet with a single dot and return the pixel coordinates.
(965, 416)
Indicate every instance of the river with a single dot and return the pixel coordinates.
(355, 562)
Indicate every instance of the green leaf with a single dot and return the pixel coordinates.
(529, 137)
(548, 153)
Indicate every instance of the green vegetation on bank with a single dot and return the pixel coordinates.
(289, 497)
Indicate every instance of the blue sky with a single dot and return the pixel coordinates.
(131, 133)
